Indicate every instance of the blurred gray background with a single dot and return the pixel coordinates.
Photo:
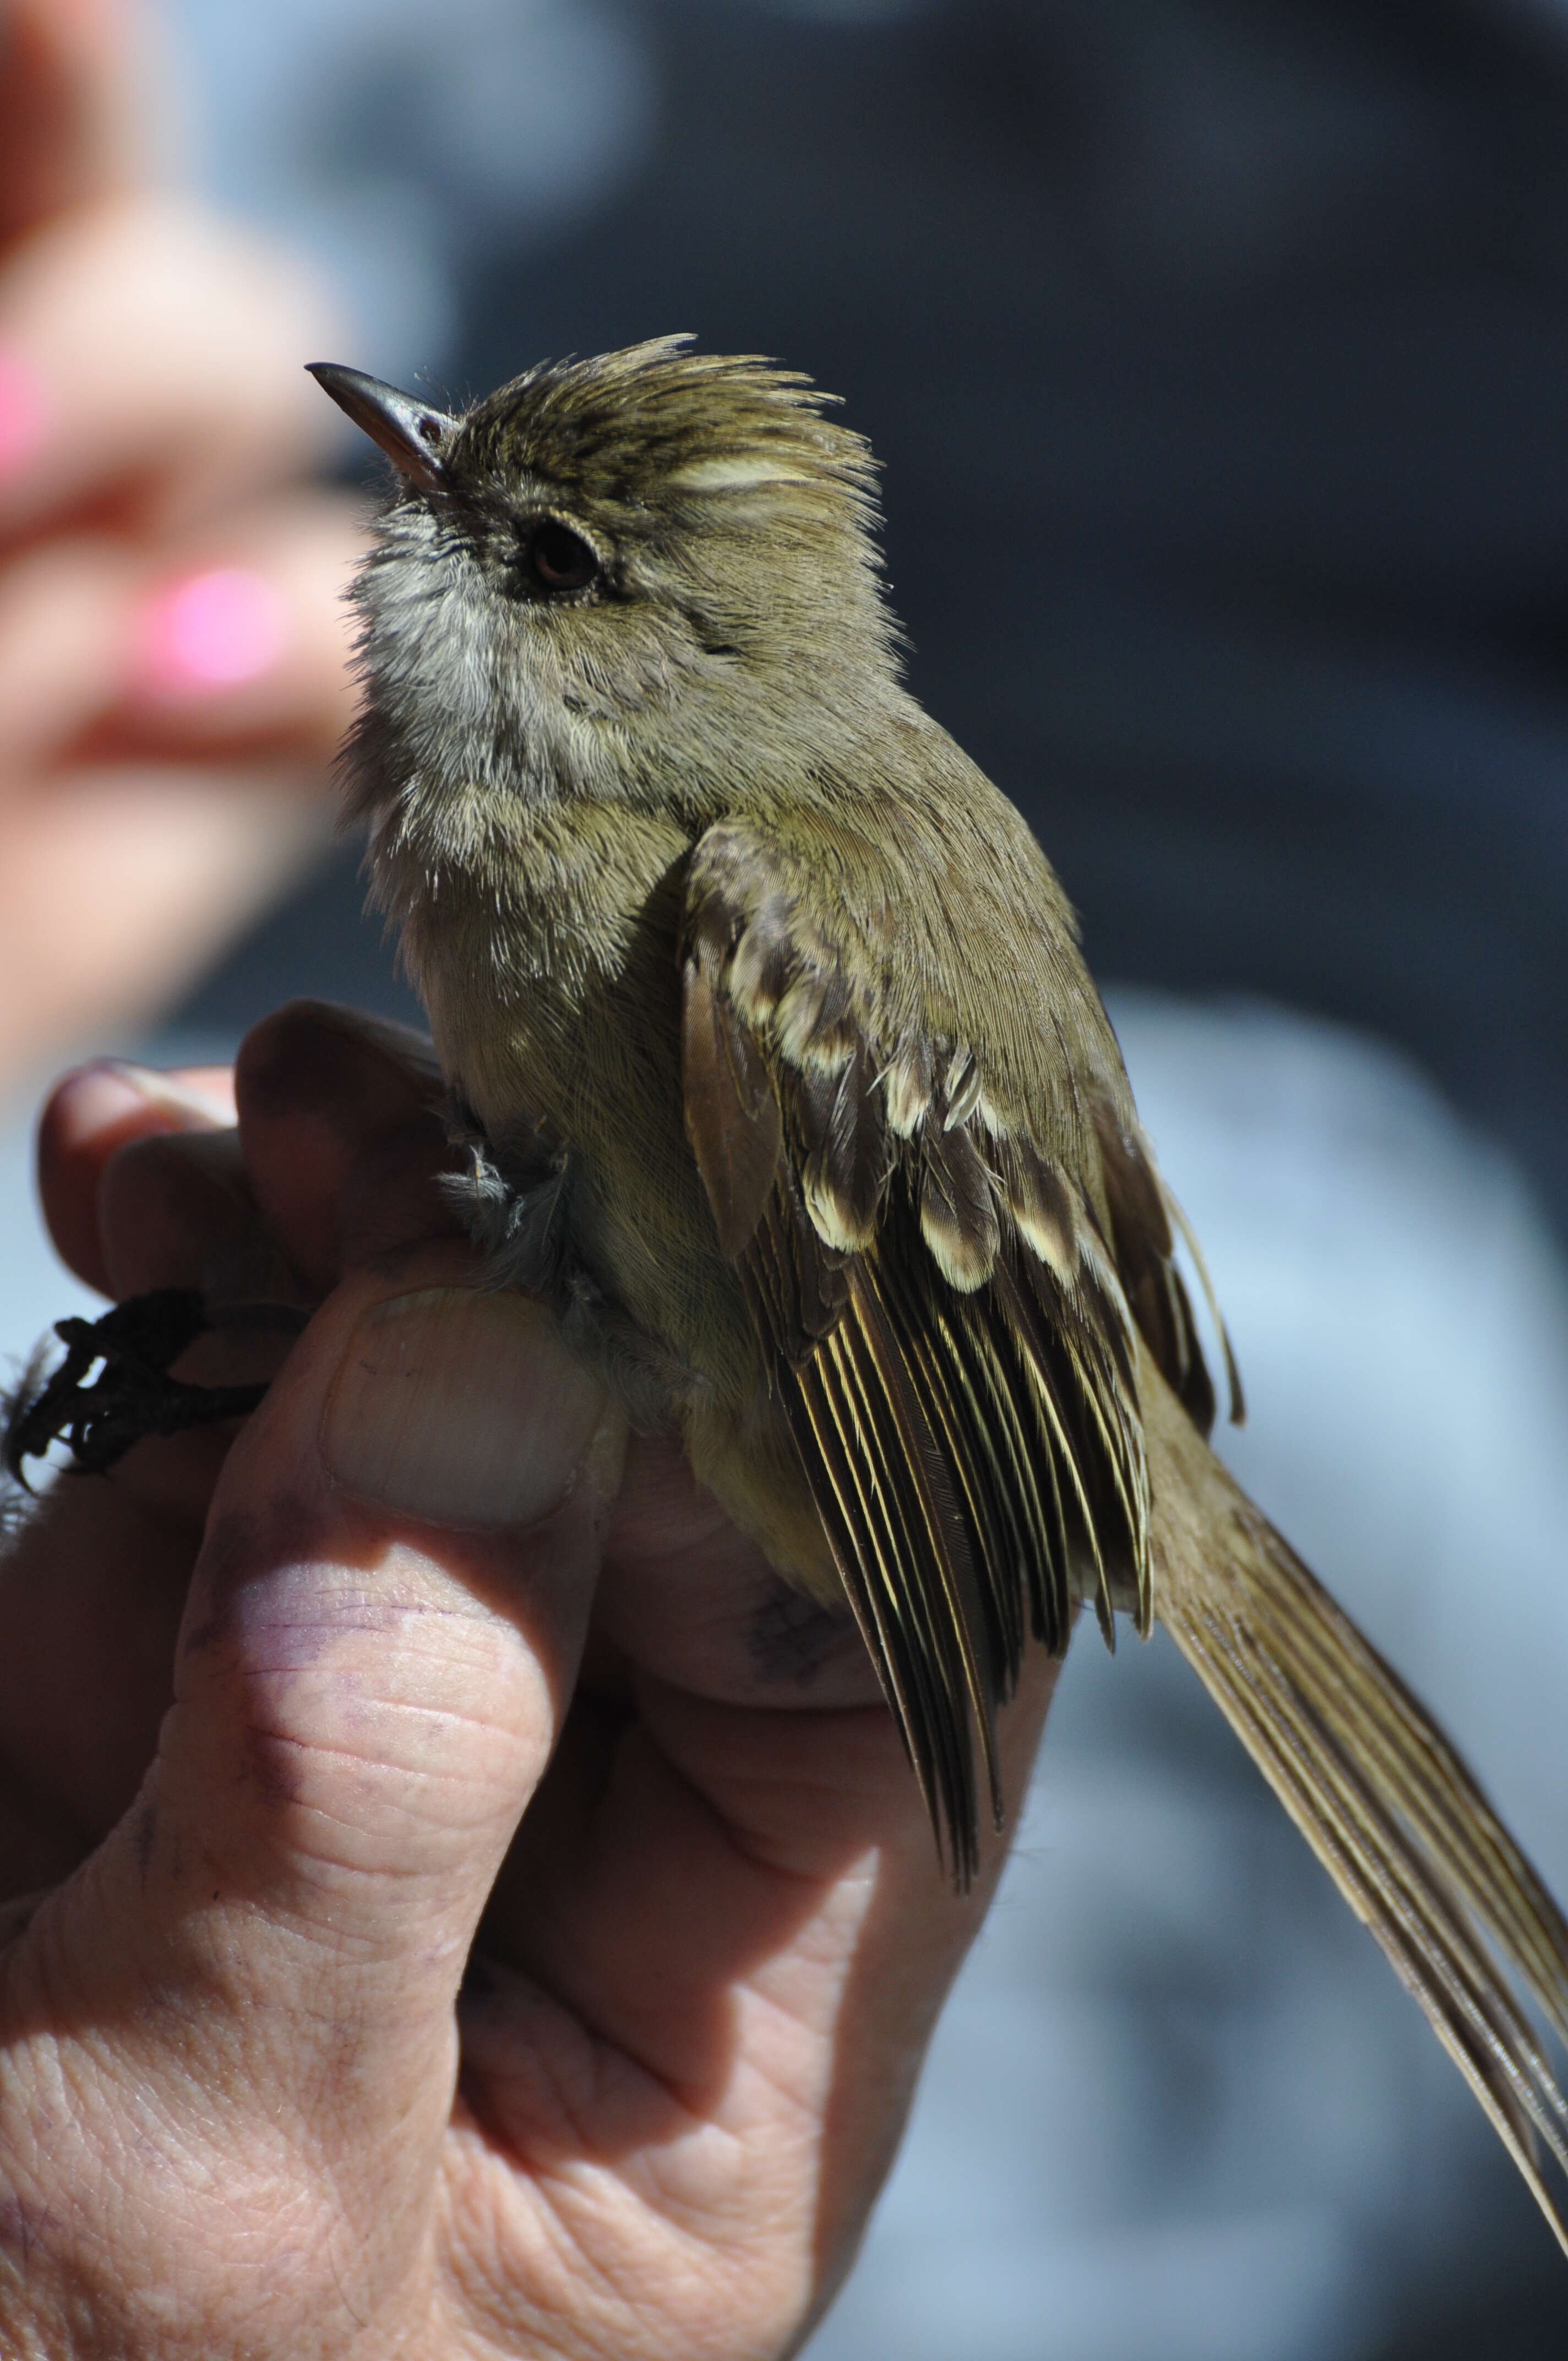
(1218, 358)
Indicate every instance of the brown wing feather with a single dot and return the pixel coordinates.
(964, 1413)
(1142, 1209)
(733, 1115)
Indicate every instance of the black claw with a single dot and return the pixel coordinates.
(137, 1341)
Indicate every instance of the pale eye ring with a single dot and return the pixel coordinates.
(558, 558)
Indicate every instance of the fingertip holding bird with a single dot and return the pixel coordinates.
(462, 1406)
(314, 1060)
(343, 1141)
(428, 1456)
(401, 1557)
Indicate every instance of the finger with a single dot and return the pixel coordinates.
(685, 1599)
(323, 1096)
(384, 1625)
(317, 1087)
(97, 1110)
(147, 343)
(78, 84)
(67, 613)
(726, 1927)
(144, 1189)
(714, 1838)
(249, 640)
(173, 1203)
(240, 640)
(124, 881)
(338, 1153)
(179, 1211)
(125, 871)
(753, 1800)
(92, 1590)
(141, 1191)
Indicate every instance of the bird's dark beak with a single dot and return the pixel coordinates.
(411, 432)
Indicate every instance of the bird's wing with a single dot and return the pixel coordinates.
(944, 1322)
(1143, 1210)
(1373, 1787)
(999, 1411)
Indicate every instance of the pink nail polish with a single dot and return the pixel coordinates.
(21, 414)
(212, 630)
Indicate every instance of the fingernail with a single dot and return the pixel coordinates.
(213, 631)
(156, 1088)
(101, 1098)
(461, 1406)
(21, 414)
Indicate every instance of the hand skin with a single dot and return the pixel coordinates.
(164, 746)
(268, 1741)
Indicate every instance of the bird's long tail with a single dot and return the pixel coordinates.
(1372, 1783)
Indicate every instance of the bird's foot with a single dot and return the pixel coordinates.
(98, 1417)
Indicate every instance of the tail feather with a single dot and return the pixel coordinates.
(1377, 1792)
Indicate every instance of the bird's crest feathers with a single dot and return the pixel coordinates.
(635, 427)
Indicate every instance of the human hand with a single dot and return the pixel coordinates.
(172, 638)
(274, 1717)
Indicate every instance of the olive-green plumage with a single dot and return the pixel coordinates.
(779, 1067)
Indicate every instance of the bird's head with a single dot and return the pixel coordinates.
(613, 576)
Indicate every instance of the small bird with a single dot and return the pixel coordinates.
(778, 1069)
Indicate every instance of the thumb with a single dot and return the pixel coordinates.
(382, 1634)
(79, 106)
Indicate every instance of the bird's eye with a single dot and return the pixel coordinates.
(558, 558)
